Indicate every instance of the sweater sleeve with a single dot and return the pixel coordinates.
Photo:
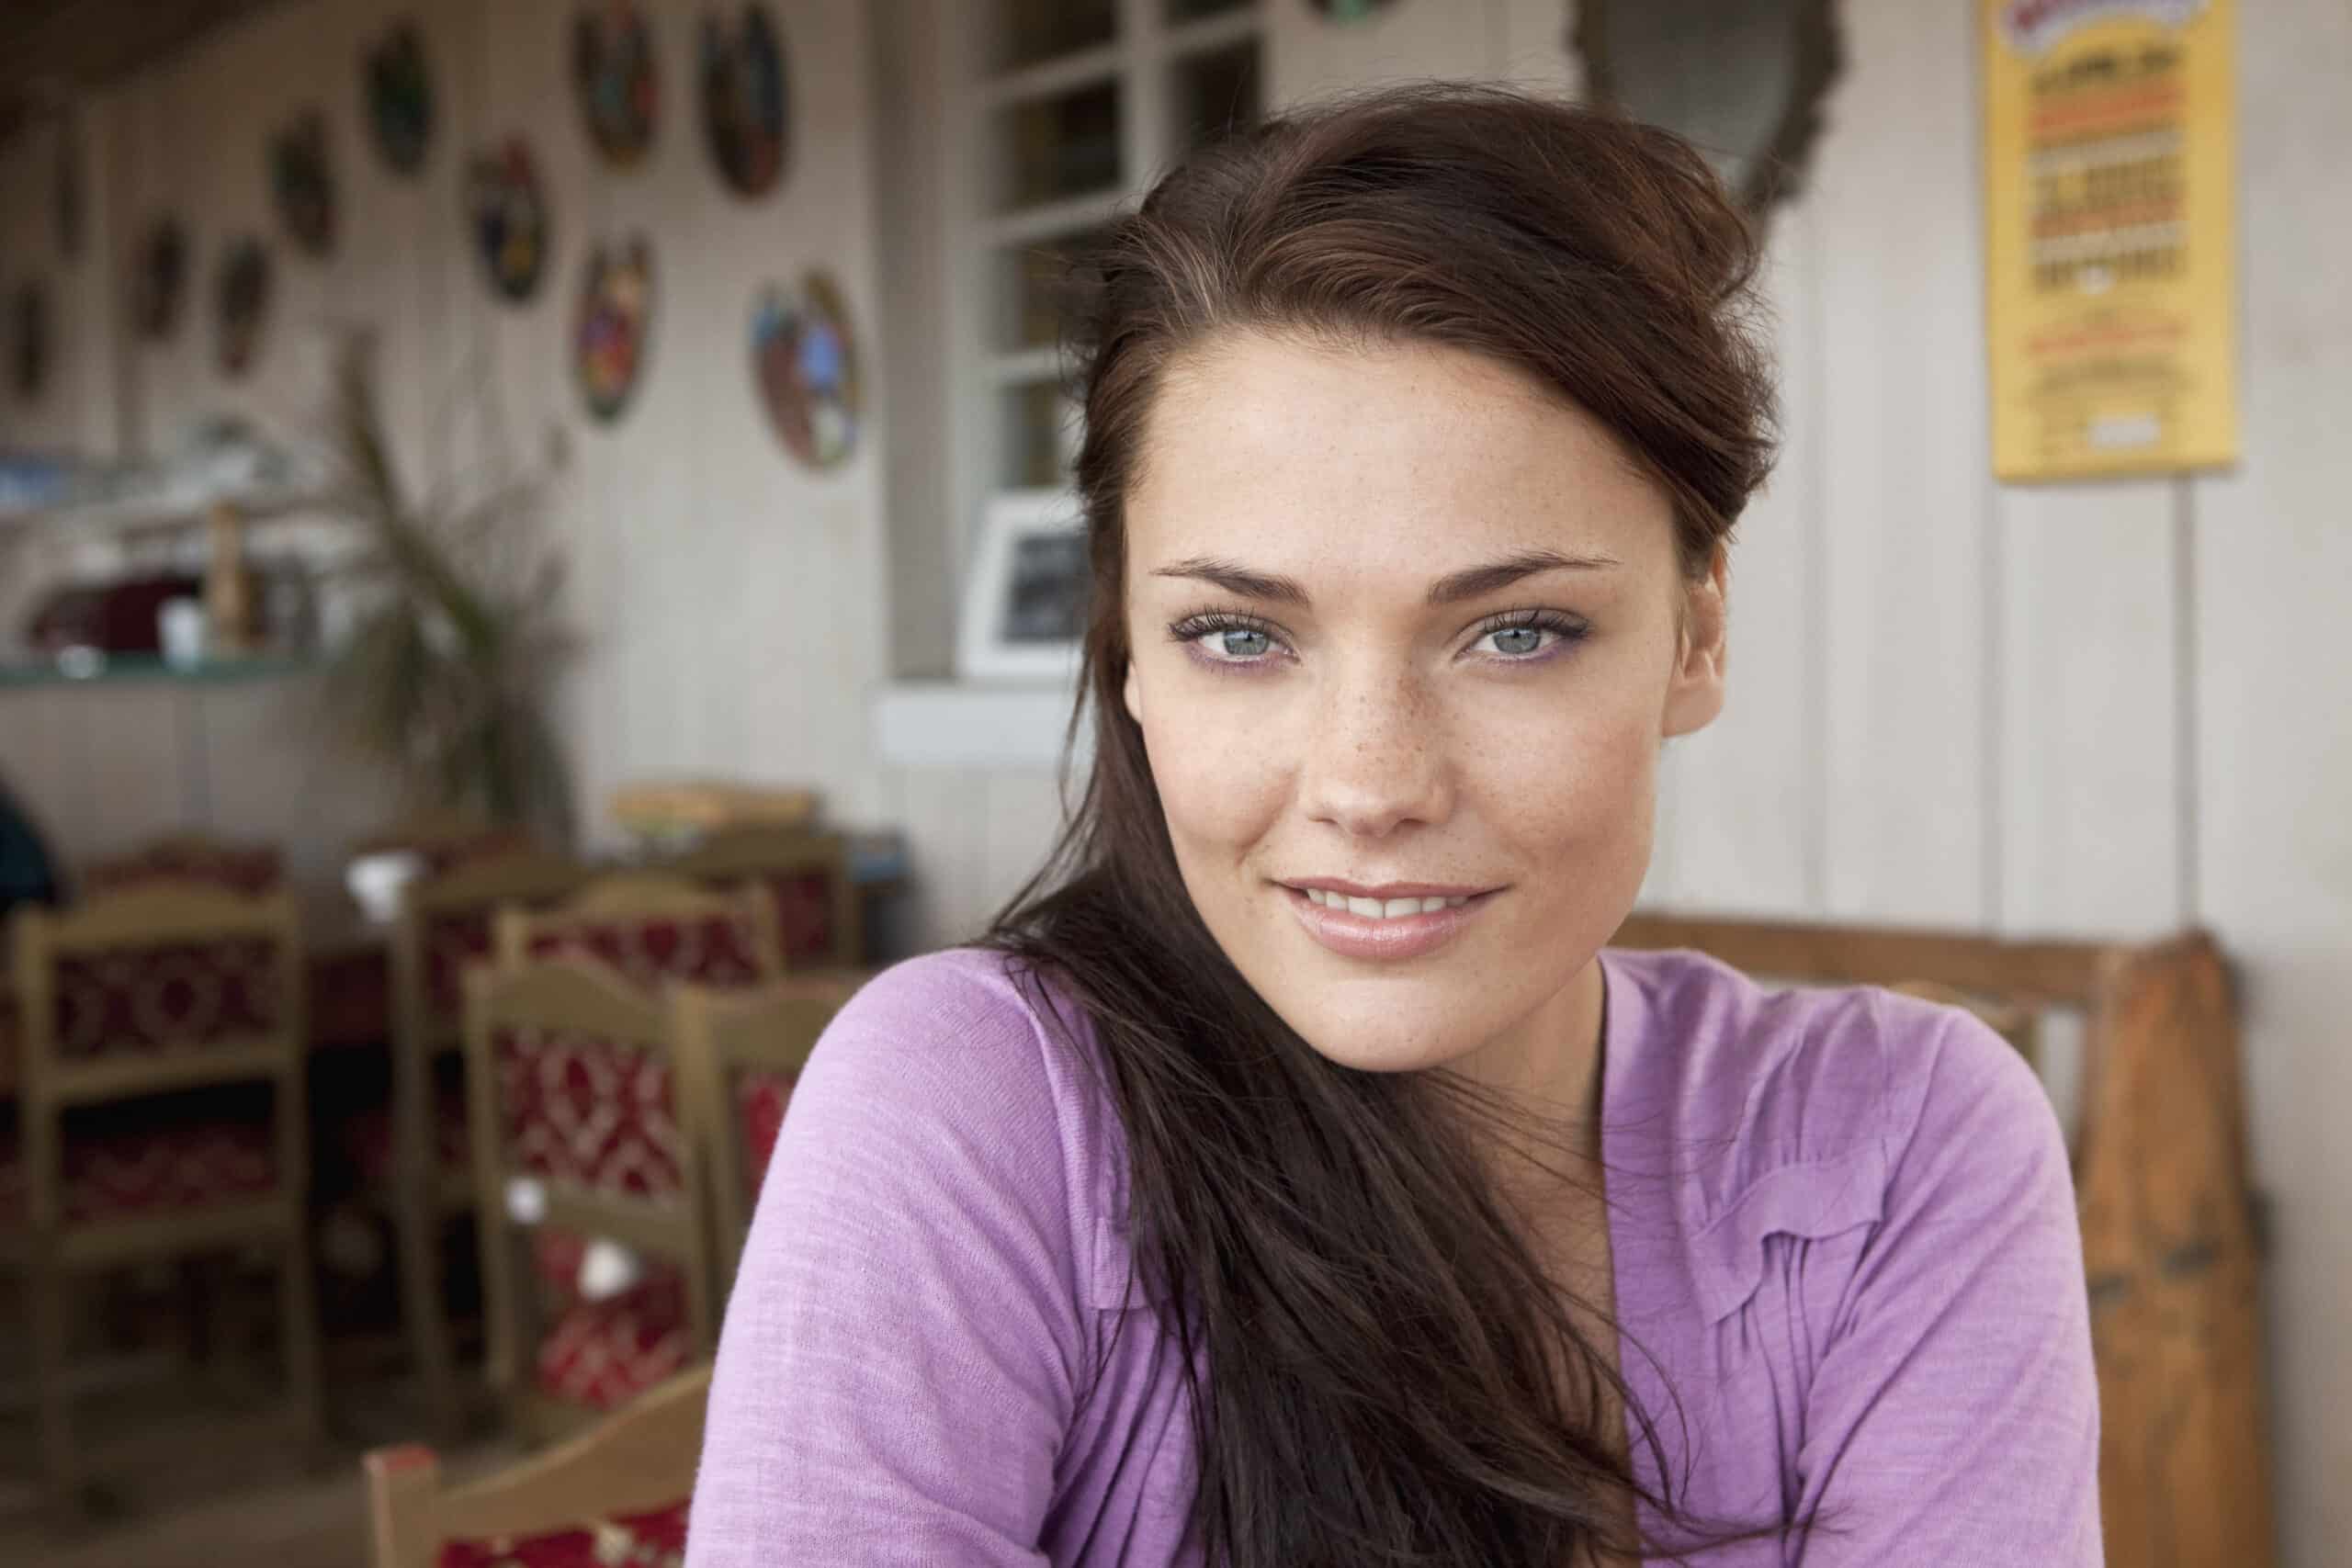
(1953, 1421)
(898, 1366)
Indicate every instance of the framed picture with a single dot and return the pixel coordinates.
(1024, 598)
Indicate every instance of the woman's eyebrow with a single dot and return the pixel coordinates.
(1469, 583)
(1479, 581)
(1238, 580)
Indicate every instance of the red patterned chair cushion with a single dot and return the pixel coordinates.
(146, 1164)
(642, 1540)
(182, 996)
(555, 1256)
(604, 1354)
(804, 917)
(760, 1098)
(589, 1112)
(710, 950)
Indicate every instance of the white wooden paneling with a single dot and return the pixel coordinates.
(1748, 833)
(1308, 55)
(1905, 488)
(2273, 687)
(1533, 43)
(2090, 806)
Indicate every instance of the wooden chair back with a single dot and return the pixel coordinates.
(188, 856)
(739, 1054)
(806, 877)
(162, 985)
(570, 1087)
(635, 1466)
(2171, 1243)
(163, 989)
(653, 927)
(447, 920)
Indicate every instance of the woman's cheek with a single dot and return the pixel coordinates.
(1215, 758)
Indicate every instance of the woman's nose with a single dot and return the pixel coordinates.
(1374, 760)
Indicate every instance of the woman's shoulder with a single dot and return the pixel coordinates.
(1829, 1086)
(980, 1068)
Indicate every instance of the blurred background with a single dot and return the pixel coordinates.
(494, 492)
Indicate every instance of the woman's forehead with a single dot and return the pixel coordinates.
(1308, 460)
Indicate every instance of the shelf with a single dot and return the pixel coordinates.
(146, 669)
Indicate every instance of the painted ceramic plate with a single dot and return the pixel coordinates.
(508, 209)
(400, 97)
(615, 319)
(240, 301)
(611, 65)
(743, 100)
(160, 281)
(803, 362)
(28, 340)
(302, 182)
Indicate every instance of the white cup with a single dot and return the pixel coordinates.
(180, 628)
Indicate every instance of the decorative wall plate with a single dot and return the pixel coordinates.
(1744, 79)
(803, 362)
(303, 183)
(508, 210)
(615, 319)
(743, 93)
(400, 97)
(612, 66)
(159, 279)
(241, 303)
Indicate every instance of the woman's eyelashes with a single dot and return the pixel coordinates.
(1526, 637)
(1231, 642)
(1225, 641)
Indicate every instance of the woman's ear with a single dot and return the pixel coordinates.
(1131, 692)
(1695, 693)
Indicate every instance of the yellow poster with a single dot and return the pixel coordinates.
(2110, 235)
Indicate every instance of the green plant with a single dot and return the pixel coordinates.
(448, 671)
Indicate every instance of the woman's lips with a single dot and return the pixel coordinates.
(1384, 937)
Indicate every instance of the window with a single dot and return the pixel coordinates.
(1069, 109)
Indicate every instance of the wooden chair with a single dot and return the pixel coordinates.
(183, 857)
(739, 1053)
(446, 923)
(653, 927)
(616, 1492)
(2171, 1242)
(162, 1034)
(570, 1087)
(818, 918)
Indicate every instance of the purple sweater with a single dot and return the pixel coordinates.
(1844, 1237)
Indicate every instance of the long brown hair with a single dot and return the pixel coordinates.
(1391, 1375)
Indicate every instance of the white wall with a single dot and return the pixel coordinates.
(732, 601)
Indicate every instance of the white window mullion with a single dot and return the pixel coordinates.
(1143, 117)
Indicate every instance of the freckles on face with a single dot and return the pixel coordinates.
(1404, 628)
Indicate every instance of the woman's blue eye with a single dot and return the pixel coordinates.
(1518, 641)
(1242, 642)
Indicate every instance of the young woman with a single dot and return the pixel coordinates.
(1294, 1178)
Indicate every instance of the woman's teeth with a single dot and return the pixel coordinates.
(1383, 909)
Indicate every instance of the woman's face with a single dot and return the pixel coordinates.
(1407, 634)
